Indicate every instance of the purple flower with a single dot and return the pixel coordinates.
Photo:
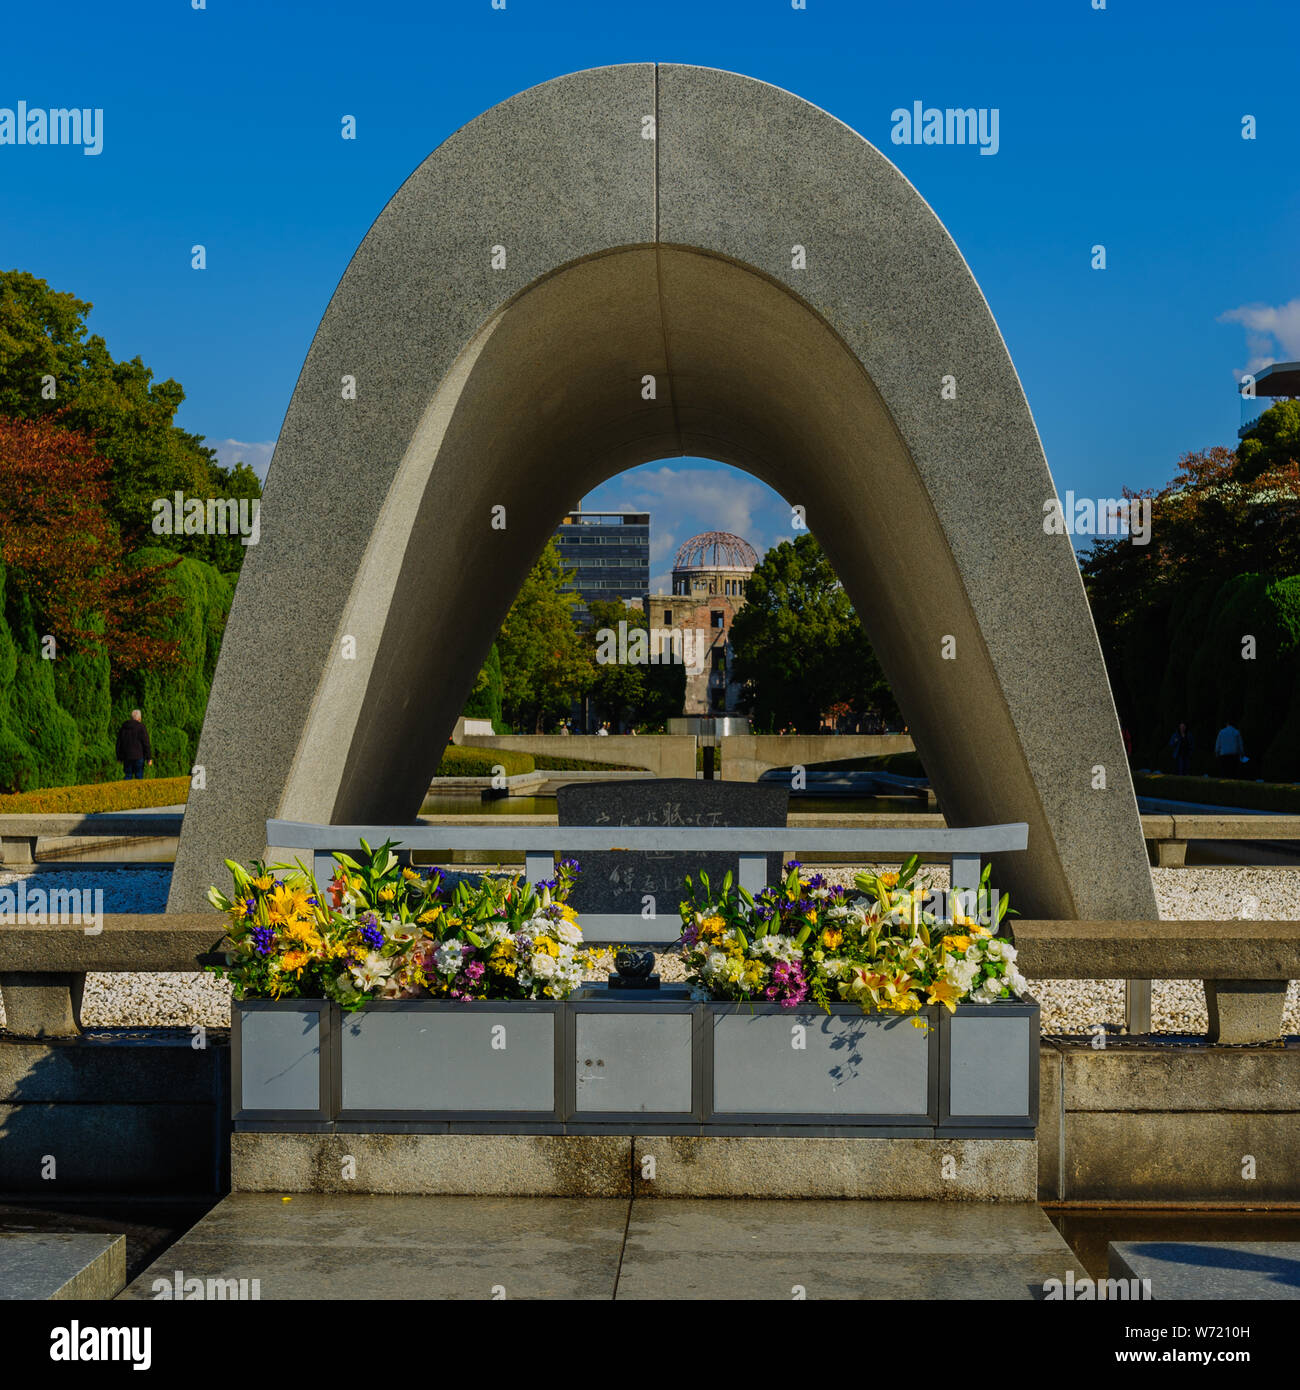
(263, 940)
(373, 937)
(788, 986)
(793, 864)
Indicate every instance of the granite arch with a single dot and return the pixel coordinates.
(516, 378)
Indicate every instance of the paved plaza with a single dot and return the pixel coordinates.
(328, 1247)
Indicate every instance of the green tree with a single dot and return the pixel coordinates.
(643, 695)
(484, 700)
(1272, 443)
(800, 646)
(1171, 615)
(50, 368)
(544, 664)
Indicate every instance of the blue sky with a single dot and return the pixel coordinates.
(1119, 126)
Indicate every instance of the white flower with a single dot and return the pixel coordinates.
(994, 949)
(962, 973)
(715, 962)
(568, 934)
(1008, 952)
(372, 971)
(496, 930)
(543, 965)
(448, 958)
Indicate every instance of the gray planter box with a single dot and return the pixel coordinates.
(634, 1066)
(633, 1060)
(429, 1060)
(989, 1066)
(768, 1065)
(282, 1061)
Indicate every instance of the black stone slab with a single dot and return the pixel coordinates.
(618, 882)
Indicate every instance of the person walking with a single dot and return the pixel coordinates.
(1230, 750)
(1180, 745)
(133, 747)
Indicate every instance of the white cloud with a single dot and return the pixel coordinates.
(1272, 334)
(684, 500)
(233, 451)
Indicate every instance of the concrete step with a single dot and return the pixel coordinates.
(1209, 1270)
(313, 1246)
(59, 1265)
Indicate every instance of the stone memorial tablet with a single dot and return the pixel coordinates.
(628, 885)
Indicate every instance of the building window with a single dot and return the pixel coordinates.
(715, 617)
(668, 616)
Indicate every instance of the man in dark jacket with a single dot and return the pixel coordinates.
(133, 747)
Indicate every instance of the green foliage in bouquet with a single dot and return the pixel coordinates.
(879, 945)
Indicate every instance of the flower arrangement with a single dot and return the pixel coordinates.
(877, 944)
(381, 930)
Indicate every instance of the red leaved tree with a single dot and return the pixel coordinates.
(63, 550)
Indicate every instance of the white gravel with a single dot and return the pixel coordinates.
(1069, 1006)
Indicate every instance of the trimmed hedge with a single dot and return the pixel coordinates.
(468, 761)
(545, 762)
(59, 718)
(485, 699)
(1283, 797)
(174, 701)
(99, 796)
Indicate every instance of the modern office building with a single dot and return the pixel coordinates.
(1270, 385)
(609, 554)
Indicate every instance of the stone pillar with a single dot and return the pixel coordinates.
(1245, 1011)
(18, 851)
(42, 1006)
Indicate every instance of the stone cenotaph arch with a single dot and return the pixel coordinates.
(617, 266)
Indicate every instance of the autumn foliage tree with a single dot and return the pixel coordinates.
(62, 550)
(1222, 564)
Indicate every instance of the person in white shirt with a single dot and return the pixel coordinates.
(1229, 750)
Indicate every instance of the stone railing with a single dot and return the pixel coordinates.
(1168, 833)
(19, 834)
(964, 848)
(1246, 965)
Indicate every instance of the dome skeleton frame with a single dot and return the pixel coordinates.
(715, 550)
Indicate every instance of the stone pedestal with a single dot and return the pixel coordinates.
(1245, 1011)
(18, 851)
(42, 1006)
